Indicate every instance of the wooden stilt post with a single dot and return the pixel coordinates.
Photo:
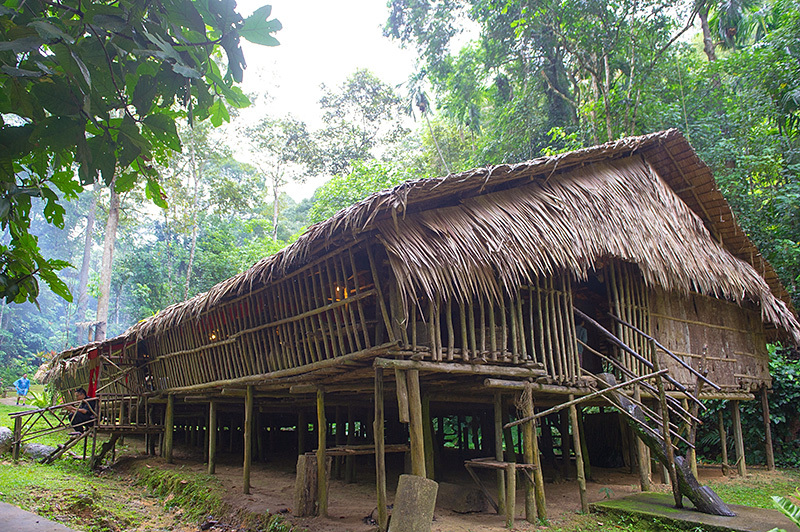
(529, 435)
(322, 477)
(17, 438)
(576, 437)
(662, 396)
(541, 503)
(169, 420)
(641, 451)
(723, 442)
(738, 438)
(212, 437)
(380, 458)
(248, 438)
(767, 430)
(587, 466)
(427, 436)
(415, 424)
(498, 452)
(511, 493)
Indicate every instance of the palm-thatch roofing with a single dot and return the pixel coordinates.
(648, 200)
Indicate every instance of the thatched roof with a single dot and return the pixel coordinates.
(451, 235)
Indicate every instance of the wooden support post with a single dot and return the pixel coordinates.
(415, 424)
(723, 442)
(738, 439)
(427, 436)
(17, 438)
(350, 461)
(498, 452)
(169, 419)
(529, 435)
(511, 494)
(587, 466)
(538, 478)
(767, 430)
(576, 437)
(248, 438)
(322, 477)
(380, 458)
(641, 451)
(212, 437)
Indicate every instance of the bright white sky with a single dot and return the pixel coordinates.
(321, 42)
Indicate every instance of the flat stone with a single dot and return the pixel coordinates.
(37, 451)
(413, 504)
(662, 506)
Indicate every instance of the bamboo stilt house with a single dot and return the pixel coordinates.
(473, 277)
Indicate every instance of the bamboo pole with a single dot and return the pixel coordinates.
(212, 437)
(529, 436)
(463, 319)
(767, 429)
(450, 330)
(482, 309)
(415, 424)
(380, 458)
(498, 451)
(738, 438)
(248, 439)
(473, 343)
(503, 326)
(492, 334)
(576, 437)
(361, 314)
(381, 302)
(169, 427)
(322, 477)
(547, 362)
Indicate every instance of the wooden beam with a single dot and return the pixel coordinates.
(415, 424)
(459, 369)
(322, 477)
(511, 493)
(401, 387)
(248, 438)
(212, 437)
(380, 458)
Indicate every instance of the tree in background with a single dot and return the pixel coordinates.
(98, 86)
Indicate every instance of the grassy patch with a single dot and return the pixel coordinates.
(758, 487)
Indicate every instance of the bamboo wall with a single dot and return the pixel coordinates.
(324, 310)
(727, 340)
(628, 300)
(534, 326)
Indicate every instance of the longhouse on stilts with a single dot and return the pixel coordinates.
(484, 296)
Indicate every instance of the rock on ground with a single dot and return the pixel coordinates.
(37, 451)
(6, 438)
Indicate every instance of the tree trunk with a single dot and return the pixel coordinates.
(708, 42)
(108, 259)
(196, 177)
(83, 278)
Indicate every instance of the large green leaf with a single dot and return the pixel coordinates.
(791, 510)
(258, 29)
(163, 128)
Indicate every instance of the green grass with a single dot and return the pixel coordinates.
(757, 489)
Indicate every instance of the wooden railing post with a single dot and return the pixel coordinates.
(17, 438)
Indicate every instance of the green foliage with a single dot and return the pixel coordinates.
(784, 417)
(344, 190)
(98, 87)
(789, 509)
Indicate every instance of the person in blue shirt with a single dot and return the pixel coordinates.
(22, 385)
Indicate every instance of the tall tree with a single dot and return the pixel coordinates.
(98, 85)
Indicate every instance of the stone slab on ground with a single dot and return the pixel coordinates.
(18, 520)
(661, 506)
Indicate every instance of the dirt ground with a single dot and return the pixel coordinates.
(351, 506)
